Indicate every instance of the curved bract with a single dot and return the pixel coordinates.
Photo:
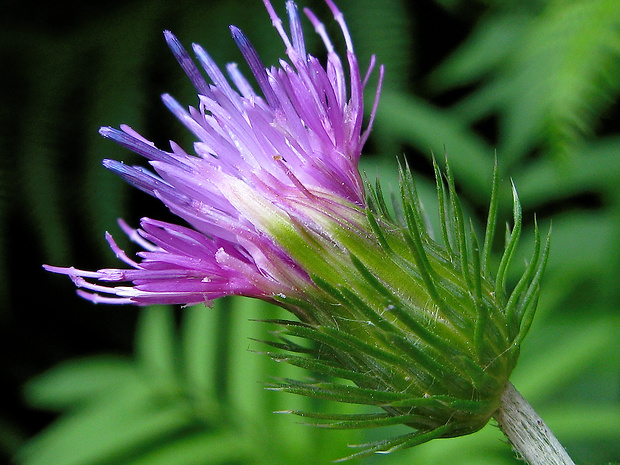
(421, 328)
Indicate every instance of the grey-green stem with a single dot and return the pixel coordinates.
(527, 432)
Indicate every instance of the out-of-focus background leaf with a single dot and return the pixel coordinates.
(534, 81)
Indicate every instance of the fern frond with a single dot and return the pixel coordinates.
(550, 75)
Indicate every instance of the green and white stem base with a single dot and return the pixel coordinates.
(527, 432)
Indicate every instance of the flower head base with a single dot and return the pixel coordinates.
(277, 210)
(422, 328)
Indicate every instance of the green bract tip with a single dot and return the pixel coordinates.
(419, 327)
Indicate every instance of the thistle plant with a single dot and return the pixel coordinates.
(422, 328)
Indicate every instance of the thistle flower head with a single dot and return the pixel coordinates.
(276, 209)
(293, 146)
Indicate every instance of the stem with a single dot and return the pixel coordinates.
(527, 432)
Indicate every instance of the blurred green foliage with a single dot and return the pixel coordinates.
(534, 81)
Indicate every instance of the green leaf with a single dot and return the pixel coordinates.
(384, 31)
(199, 348)
(432, 130)
(76, 382)
(540, 374)
(551, 76)
(156, 346)
(105, 430)
(494, 38)
(202, 448)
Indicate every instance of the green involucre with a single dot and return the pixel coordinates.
(416, 326)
